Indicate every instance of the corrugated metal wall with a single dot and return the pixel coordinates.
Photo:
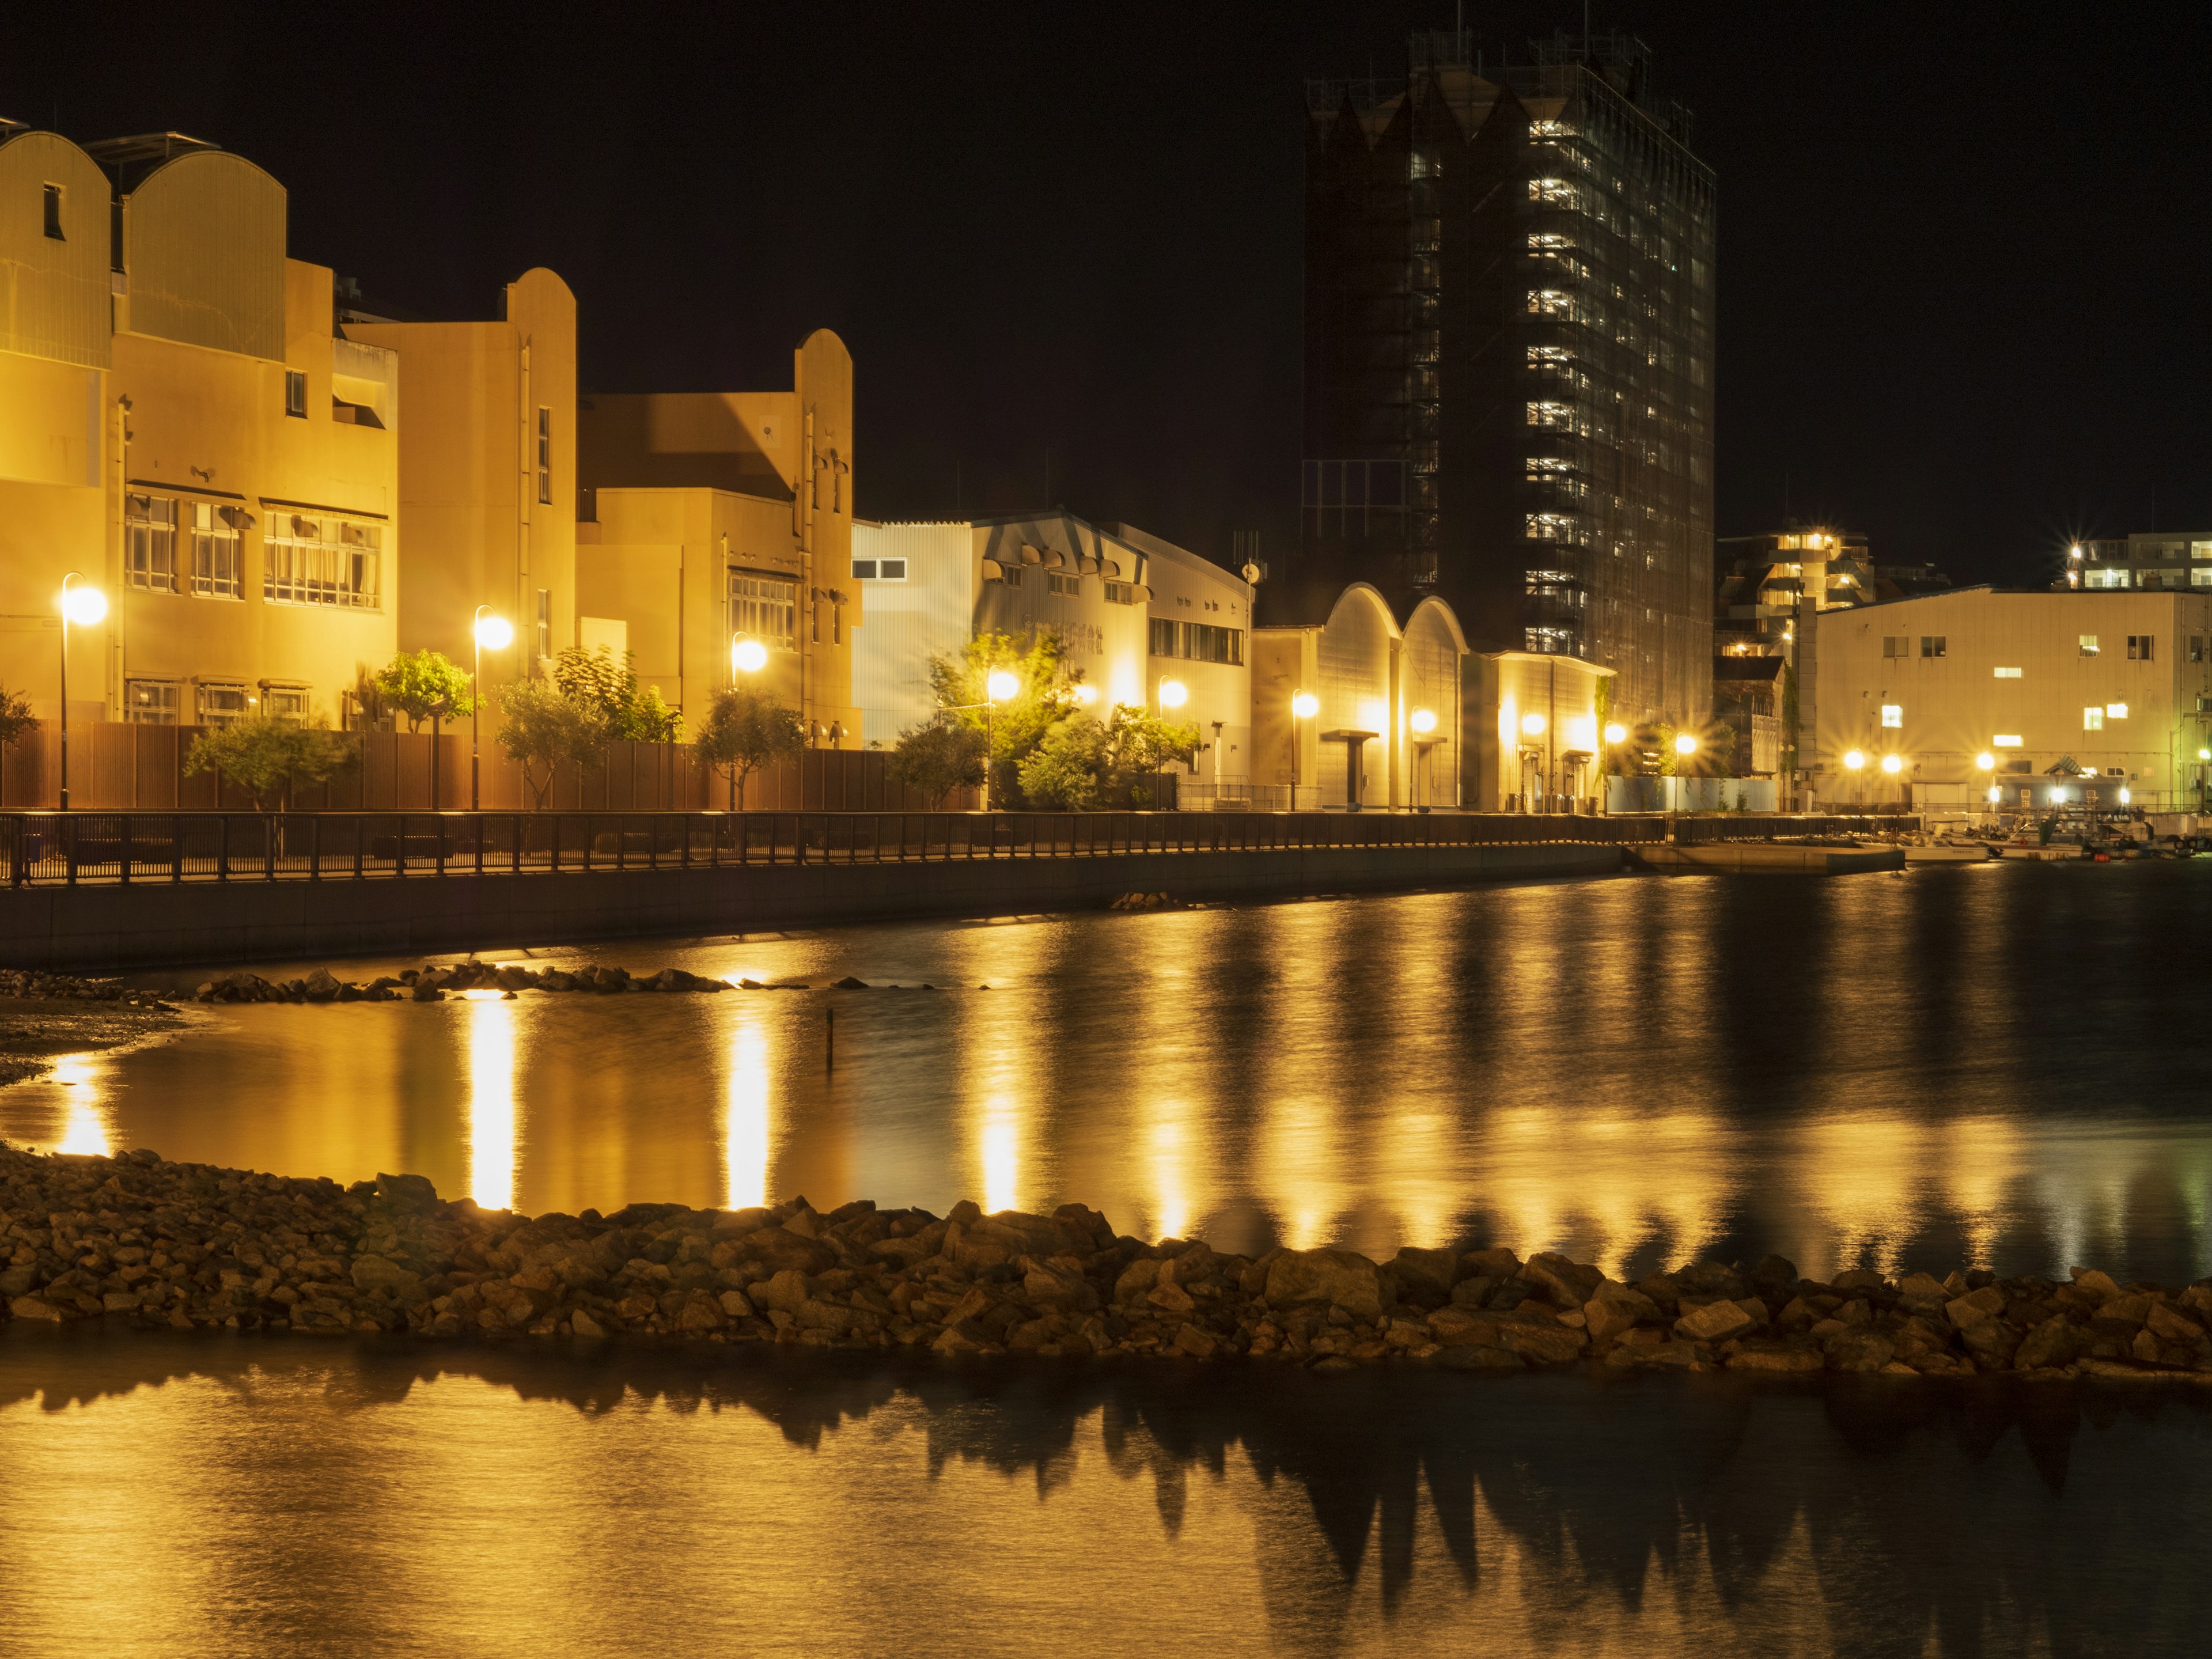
(53, 291)
(905, 623)
(203, 250)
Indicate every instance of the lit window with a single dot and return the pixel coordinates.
(150, 702)
(2005, 740)
(761, 608)
(1120, 593)
(1549, 303)
(54, 227)
(2089, 645)
(545, 457)
(1892, 714)
(544, 621)
(284, 702)
(218, 552)
(150, 559)
(1056, 583)
(221, 704)
(2200, 575)
(2116, 711)
(2093, 719)
(1557, 191)
(320, 562)
(2008, 673)
(295, 393)
(2105, 579)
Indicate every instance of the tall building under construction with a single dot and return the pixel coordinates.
(1508, 359)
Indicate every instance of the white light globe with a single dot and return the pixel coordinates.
(1854, 760)
(84, 605)
(1086, 695)
(1686, 743)
(1174, 694)
(1892, 765)
(1532, 726)
(1986, 761)
(1424, 721)
(1305, 705)
(1616, 732)
(1001, 685)
(495, 633)
(748, 656)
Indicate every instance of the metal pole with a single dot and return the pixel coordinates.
(65, 583)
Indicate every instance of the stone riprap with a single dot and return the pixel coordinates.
(434, 984)
(189, 1245)
(33, 985)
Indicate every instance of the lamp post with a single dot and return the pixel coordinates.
(84, 607)
(1000, 687)
(1986, 763)
(1303, 707)
(497, 633)
(1615, 735)
(1686, 744)
(746, 657)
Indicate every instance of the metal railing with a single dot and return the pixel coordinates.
(70, 848)
(67, 848)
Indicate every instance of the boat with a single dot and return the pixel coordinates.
(1949, 849)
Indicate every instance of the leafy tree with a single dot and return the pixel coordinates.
(542, 730)
(1711, 759)
(744, 731)
(649, 719)
(269, 756)
(425, 686)
(1071, 768)
(15, 721)
(594, 679)
(943, 754)
(1046, 694)
(1143, 742)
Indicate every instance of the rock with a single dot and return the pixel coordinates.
(1497, 1262)
(1473, 1294)
(423, 993)
(1137, 1279)
(1453, 1327)
(1199, 1343)
(1615, 1308)
(2095, 1282)
(372, 1274)
(1756, 1354)
(1922, 1287)
(1541, 1345)
(1426, 1277)
(701, 1313)
(582, 1324)
(1777, 1276)
(321, 986)
(788, 1290)
(1976, 1307)
(849, 983)
(1716, 1321)
(1342, 1279)
(1563, 1283)
(1170, 1298)
(735, 1304)
(2163, 1322)
(1057, 1285)
(38, 1307)
(1660, 1356)
(2049, 1344)
(17, 1281)
(1860, 1351)
(412, 1193)
(1857, 1281)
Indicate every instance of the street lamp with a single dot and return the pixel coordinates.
(497, 634)
(84, 607)
(747, 656)
(999, 686)
(1303, 707)
(1853, 761)
(1892, 765)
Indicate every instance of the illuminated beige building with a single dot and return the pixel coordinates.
(1359, 711)
(2051, 687)
(719, 521)
(488, 472)
(181, 426)
(1149, 624)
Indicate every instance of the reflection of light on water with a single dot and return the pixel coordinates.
(1980, 1166)
(1868, 1170)
(86, 1129)
(1170, 1196)
(1001, 1158)
(744, 1120)
(491, 1103)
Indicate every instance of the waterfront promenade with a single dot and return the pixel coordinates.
(123, 889)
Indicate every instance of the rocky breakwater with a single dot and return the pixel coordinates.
(435, 984)
(189, 1245)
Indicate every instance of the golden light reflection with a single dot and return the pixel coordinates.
(1870, 1168)
(745, 1116)
(85, 1126)
(492, 1143)
(1002, 1156)
(1981, 1160)
(1171, 1195)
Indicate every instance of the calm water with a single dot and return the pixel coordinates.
(224, 1497)
(2001, 1064)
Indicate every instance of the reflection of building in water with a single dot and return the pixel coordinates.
(745, 1117)
(492, 1142)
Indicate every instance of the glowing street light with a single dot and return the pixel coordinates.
(1174, 694)
(2126, 795)
(1686, 743)
(84, 606)
(1303, 707)
(747, 656)
(1616, 732)
(1002, 685)
(1892, 765)
(1853, 761)
(1532, 726)
(491, 633)
(1986, 761)
(1086, 694)
(1424, 721)
(1995, 794)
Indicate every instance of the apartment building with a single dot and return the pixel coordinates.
(183, 428)
(719, 521)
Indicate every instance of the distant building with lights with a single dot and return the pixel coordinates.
(1509, 312)
(2148, 562)
(2108, 691)
(1149, 624)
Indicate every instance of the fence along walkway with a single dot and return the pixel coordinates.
(69, 849)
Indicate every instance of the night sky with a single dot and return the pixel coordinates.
(1962, 249)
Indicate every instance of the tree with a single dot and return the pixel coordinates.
(938, 757)
(15, 721)
(1071, 768)
(542, 730)
(594, 679)
(268, 755)
(425, 686)
(744, 731)
(1047, 693)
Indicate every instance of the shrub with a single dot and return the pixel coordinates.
(744, 731)
(267, 756)
(425, 686)
(944, 754)
(542, 730)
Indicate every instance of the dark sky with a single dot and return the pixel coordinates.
(1962, 248)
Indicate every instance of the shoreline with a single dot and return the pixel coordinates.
(44, 1017)
(137, 1238)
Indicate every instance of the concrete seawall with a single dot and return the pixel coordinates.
(151, 925)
